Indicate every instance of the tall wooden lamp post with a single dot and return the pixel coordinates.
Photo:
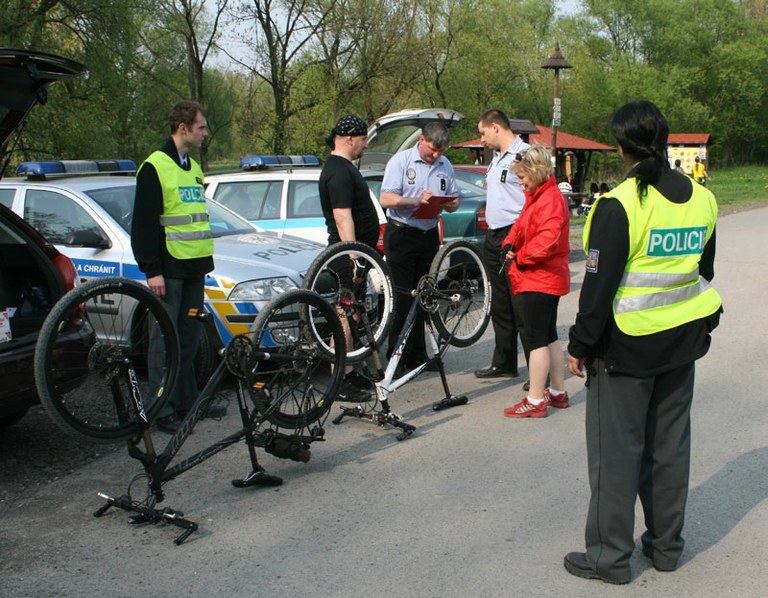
(556, 62)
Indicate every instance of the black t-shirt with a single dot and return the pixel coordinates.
(342, 186)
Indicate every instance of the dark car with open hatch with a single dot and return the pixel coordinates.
(33, 273)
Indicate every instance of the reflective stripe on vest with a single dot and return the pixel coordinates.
(185, 217)
(661, 287)
(661, 298)
(189, 236)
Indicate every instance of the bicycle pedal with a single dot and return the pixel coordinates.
(257, 478)
(137, 519)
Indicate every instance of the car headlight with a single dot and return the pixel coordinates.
(262, 289)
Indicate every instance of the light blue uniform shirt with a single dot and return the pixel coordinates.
(505, 195)
(408, 175)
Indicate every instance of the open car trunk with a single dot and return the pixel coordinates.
(25, 78)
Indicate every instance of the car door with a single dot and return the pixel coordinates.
(75, 231)
(305, 215)
(259, 201)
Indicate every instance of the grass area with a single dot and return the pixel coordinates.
(740, 186)
(735, 188)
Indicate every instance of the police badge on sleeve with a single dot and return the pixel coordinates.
(592, 258)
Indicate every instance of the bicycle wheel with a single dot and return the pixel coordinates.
(354, 270)
(458, 269)
(295, 381)
(94, 350)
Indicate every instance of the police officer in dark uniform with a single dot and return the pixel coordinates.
(504, 204)
(172, 243)
(411, 178)
(646, 311)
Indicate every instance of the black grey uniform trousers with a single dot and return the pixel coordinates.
(638, 444)
(502, 315)
(181, 295)
(409, 254)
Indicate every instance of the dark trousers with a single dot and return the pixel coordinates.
(409, 256)
(638, 444)
(502, 314)
(180, 296)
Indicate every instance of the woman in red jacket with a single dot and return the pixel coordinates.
(537, 253)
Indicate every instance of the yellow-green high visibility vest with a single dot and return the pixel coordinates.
(661, 287)
(185, 217)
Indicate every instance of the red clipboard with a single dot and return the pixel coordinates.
(432, 208)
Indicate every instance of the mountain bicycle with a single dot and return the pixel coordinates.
(119, 340)
(456, 295)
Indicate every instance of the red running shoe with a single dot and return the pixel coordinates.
(527, 409)
(560, 401)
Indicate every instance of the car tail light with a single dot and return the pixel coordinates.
(67, 271)
(480, 223)
(380, 242)
(440, 229)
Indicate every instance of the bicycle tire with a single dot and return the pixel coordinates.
(376, 292)
(84, 346)
(295, 382)
(459, 266)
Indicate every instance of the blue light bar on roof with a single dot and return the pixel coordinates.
(257, 162)
(63, 167)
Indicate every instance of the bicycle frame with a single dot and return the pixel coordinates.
(386, 383)
(156, 467)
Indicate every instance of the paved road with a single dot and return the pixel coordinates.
(472, 505)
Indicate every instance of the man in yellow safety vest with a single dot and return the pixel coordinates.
(172, 243)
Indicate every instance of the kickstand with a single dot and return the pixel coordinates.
(257, 477)
(450, 400)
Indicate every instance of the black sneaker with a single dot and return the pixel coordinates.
(349, 393)
(216, 409)
(168, 424)
(359, 381)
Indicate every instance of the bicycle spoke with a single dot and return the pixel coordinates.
(94, 347)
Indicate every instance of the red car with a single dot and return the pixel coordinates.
(33, 274)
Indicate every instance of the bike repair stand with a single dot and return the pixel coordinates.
(385, 380)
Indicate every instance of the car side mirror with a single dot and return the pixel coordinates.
(87, 238)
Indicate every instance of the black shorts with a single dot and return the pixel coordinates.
(536, 318)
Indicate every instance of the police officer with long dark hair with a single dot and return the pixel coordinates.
(646, 311)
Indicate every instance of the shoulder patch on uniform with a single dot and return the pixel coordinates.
(592, 258)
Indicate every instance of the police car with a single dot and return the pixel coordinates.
(279, 194)
(88, 218)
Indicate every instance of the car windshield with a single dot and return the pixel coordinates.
(391, 140)
(466, 190)
(471, 177)
(118, 202)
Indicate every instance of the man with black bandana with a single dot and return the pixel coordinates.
(344, 195)
(349, 214)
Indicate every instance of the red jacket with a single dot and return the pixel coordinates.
(540, 241)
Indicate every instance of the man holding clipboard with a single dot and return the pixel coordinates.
(418, 184)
